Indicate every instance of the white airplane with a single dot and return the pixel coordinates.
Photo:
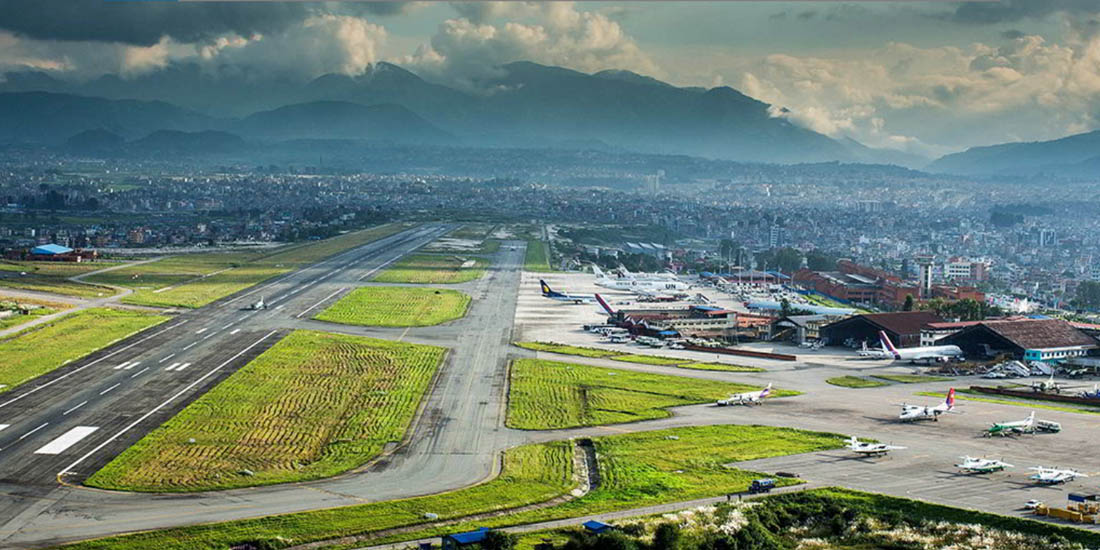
(747, 398)
(922, 353)
(870, 449)
(259, 305)
(1052, 476)
(665, 276)
(1026, 425)
(919, 412)
(631, 284)
(547, 292)
(973, 465)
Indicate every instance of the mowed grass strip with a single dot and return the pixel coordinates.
(855, 382)
(1036, 403)
(636, 470)
(433, 269)
(392, 306)
(537, 257)
(38, 350)
(314, 405)
(194, 280)
(910, 378)
(547, 395)
(531, 474)
(53, 277)
(581, 351)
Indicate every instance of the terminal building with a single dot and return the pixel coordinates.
(690, 321)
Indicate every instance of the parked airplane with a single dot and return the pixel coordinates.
(630, 284)
(664, 276)
(747, 398)
(870, 449)
(922, 353)
(547, 292)
(1026, 425)
(973, 465)
(1048, 385)
(918, 412)
(1052, 476)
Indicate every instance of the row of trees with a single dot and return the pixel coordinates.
(966, 309)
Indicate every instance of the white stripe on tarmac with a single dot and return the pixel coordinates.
(202, 330)
(122, 365)
(132, 365)
(66, 440)
(82, 403)
(110, 388)
(189, 346)
(138, 373)
(183, 366)
(172, 366)
(3, 426)
(235, 331)
(34, 430)
(167, 357)
(154, 410)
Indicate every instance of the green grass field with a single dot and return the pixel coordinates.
(547, 395)
(33, 352)
(53, 277)
(433, 269)
(194, 280)
(910, 378)
(17, 319)
(580, 351)
(314, 405)
(855, 382)
(537, 258)
(392, 306)
(636, 469)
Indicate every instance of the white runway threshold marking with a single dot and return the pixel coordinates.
(187, 388)
(2, 426)
(122, 365)
(172, 366)
(67, 439)
(183, 366)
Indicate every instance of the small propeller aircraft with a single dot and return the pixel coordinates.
(1053, 476)
(910, 413)
(973, 465)
(259, 305)
(870, 449)
(747, 398)
(1024, 426)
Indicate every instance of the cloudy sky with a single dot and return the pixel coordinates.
(926, 77)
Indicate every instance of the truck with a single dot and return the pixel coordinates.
(1048, 426)
(761, 486)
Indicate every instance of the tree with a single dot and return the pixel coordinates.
(784, 307)
(1088, 295)
(666, 537)
(498, 540)
(908, 305)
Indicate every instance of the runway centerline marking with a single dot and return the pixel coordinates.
(110, 388)
(66, 440)
(167, 357)
(82, 403)
(189, 346)
(235, 331)
(139, 372)
(202, 330)
(74, 371)
(44, 424)
(175, 396)
(227, 325)
(2, 426)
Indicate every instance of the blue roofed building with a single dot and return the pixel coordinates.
(50, 250)
(462, 540)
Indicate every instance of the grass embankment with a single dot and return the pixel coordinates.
(391, 306)
(194, 280)
(1031, 403)
(314, 405)
(911, 378)
(433, 269)
(53, 277)
(38, 350)
(547, 395)
(636, 470)
(597, 353)
(537, 258)
(35, 308)
(855, 382)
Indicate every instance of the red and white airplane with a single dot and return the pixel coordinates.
(940, 354)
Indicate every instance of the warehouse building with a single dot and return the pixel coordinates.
(902, 327)
(1028, 339)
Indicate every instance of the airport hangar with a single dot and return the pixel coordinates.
(902, 327)
(1028, 339)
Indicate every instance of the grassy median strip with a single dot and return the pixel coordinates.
(433, 269)
(194, 280)
(636, 470)
(855, 382)
(38, 350)
(314, 405)
(547, 395)
(1036, 403)
(911, 378)
(537, 258)
(53, 277)
(597, 353)
(394, 306)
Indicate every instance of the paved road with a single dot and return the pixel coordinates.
(455, 444)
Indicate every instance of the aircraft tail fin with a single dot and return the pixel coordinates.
(599, 272)
(767, 390)
(603, 303)
(950, 401)
(887, 345)
(546, 290)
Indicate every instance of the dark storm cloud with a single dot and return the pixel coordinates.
(144, 23)
(1013, 34)
(1008, 11)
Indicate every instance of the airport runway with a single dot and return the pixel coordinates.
(455, 443)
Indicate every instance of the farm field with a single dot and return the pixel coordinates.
(393, 306)
(537, 258)
(314, 405)
(194, 280)
(35, 351)
(53, 277)
(636, 469)
(581, 351)
(547, 395)
(432, 269)
(855, 382)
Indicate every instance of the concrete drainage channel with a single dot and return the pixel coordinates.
(586, 474)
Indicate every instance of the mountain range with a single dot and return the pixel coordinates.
(1077, 155)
